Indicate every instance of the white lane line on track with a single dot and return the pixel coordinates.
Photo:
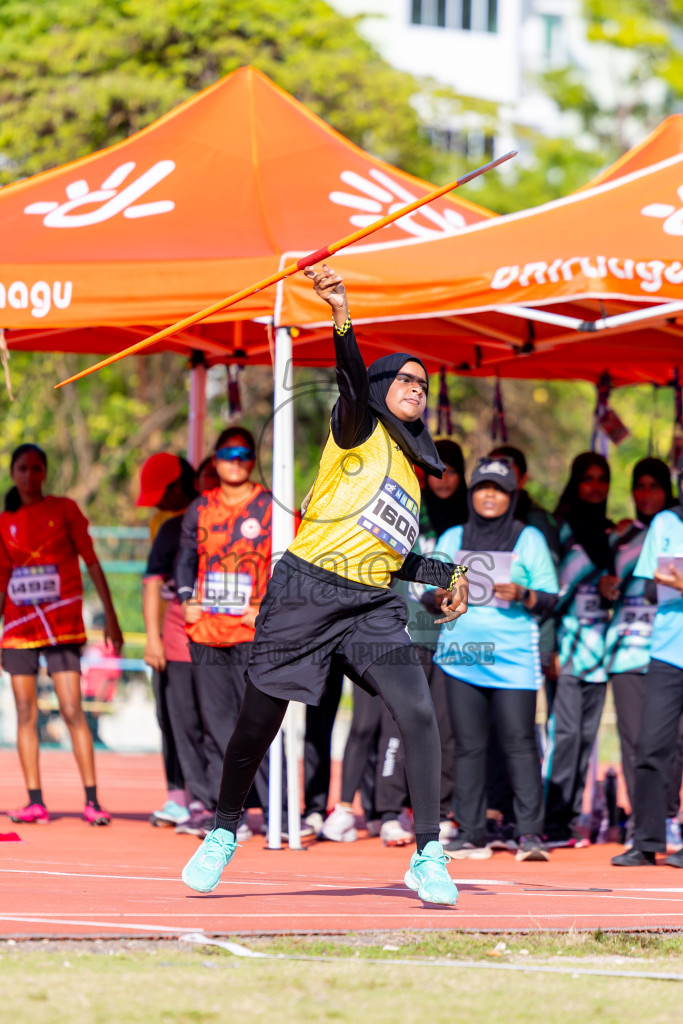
(596, 896)
(414, 917)
(80, 874)
(98, 924)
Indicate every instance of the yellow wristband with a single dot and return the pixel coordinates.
(458, 571)
(346, 326)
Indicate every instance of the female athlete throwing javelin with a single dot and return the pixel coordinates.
(329, 597)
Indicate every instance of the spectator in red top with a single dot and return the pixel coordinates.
(41, 593)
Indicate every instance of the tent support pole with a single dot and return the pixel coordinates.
(283, 534)
(197, 415)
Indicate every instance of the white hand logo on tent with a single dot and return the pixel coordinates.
(671, 215)
(387, 196)
(61, 215)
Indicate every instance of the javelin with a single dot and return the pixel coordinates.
(292, 268)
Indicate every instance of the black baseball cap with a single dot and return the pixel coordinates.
(495, 469)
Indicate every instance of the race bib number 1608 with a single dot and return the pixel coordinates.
(392, 517)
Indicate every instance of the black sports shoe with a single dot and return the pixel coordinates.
(636, 859)
(531, 847)
(676, 859)
(499, 836)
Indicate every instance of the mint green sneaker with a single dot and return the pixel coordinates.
(428, 875)
(170, 814)
(203, 870)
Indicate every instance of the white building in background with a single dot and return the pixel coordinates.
(490, 50)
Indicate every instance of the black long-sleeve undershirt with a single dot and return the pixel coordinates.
(352, 422)
(418, 569)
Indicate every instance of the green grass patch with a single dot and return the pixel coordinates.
(170, 983)
(473, 946)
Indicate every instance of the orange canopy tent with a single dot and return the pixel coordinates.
(235, 182)
(663, 141)
(207, 199)
(584, 284)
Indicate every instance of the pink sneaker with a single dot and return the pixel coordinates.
(96, 815)
(30, 814)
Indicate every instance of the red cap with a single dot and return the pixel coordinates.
(156, 474)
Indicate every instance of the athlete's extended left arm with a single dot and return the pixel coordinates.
(450, 581)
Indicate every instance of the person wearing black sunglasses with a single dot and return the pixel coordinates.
(329, 598)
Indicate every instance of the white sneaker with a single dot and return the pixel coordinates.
(340, 826)
(315, 821)
(448, 830)
(392, 833)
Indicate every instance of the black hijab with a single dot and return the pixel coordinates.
(446, 512)
(413, 439)
(588, 521)
(659, 471)
(501, 533)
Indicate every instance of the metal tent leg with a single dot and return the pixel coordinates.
(283, 534)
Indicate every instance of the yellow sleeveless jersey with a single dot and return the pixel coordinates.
(363, 515)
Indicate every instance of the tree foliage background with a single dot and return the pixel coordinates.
(79, 75)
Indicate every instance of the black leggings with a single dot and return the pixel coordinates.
(318, 743)
(515, 710)
(401, 683)
(361, 744)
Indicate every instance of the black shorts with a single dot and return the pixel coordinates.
(23, 661)
(308, 617)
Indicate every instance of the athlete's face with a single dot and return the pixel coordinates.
(407, 395)
(28, 473)
(447, 485)
(594, 485)
(490, 500)
(648, 495)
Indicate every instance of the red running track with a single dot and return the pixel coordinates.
(70, 879)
